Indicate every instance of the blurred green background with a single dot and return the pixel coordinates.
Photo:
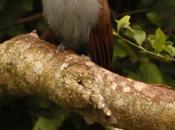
(23, 16)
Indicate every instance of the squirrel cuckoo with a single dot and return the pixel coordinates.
(81, 23)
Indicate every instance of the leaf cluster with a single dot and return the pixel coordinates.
(149, 52)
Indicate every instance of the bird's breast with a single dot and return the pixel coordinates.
(72, 19)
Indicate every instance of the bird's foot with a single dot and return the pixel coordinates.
(60, 47)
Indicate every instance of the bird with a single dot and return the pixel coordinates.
(84, 25)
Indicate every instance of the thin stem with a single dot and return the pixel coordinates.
(146, 51)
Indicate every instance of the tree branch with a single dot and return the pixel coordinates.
(30, 66)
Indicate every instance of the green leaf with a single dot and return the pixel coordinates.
(149, 72)
(115, 33)
(154, 18)
(123, 22)
(170, 50)
(151, 38)
(139, 35)
(45, 124)
(158, 41)
(134, 75)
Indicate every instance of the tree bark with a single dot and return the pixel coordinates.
(30, 66)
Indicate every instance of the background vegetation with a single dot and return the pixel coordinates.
(144, 51)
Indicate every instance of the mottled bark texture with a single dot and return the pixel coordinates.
(30, 66)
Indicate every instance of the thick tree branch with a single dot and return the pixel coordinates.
(30, 66)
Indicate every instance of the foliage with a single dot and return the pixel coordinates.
(151, 47)
(160, 46)
(144, 50)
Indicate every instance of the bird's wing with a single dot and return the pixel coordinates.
(100, 39)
